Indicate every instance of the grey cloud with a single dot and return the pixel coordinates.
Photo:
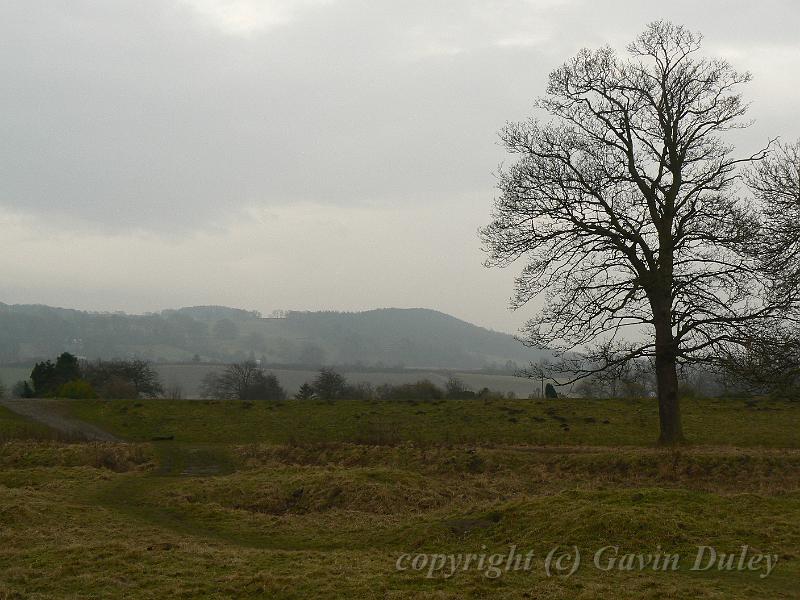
(176, 121)
(154, 116)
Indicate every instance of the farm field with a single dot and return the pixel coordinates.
(318, 500)
(190, 376)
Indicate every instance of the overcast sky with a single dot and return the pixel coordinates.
(299, 154)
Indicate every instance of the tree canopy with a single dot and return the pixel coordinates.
(627, 211)
(243, 381)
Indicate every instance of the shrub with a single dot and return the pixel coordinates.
(330, 384)
(455, 388)
(265, 387)
(306, 392)
(420, 390)
(22, 389)
(118, 388)
(174, 391)
(123, 378)
(359, 391)
(242, 381)
(77, 389)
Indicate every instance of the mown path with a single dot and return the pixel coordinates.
(134, 495)
(46, 411)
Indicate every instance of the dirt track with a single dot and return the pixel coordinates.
(47, 412)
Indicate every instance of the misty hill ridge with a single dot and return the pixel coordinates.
(386, 337)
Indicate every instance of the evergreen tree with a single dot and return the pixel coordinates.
(306, 392)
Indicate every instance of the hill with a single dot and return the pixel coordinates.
(381, 338)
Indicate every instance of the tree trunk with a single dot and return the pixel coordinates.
(669, 412)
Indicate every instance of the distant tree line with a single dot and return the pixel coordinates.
(68, 377)
(329, 384)
(248, 381)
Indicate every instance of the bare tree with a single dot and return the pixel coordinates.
(625, 208)
(770, 362)
(123, 378)
(242, 381)
(775, 181)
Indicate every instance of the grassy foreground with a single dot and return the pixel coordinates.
(320, 501)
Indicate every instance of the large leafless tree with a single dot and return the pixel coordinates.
(627, 210)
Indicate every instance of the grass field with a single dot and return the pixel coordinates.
(769, 423)
(317, 500)
(13, 427)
